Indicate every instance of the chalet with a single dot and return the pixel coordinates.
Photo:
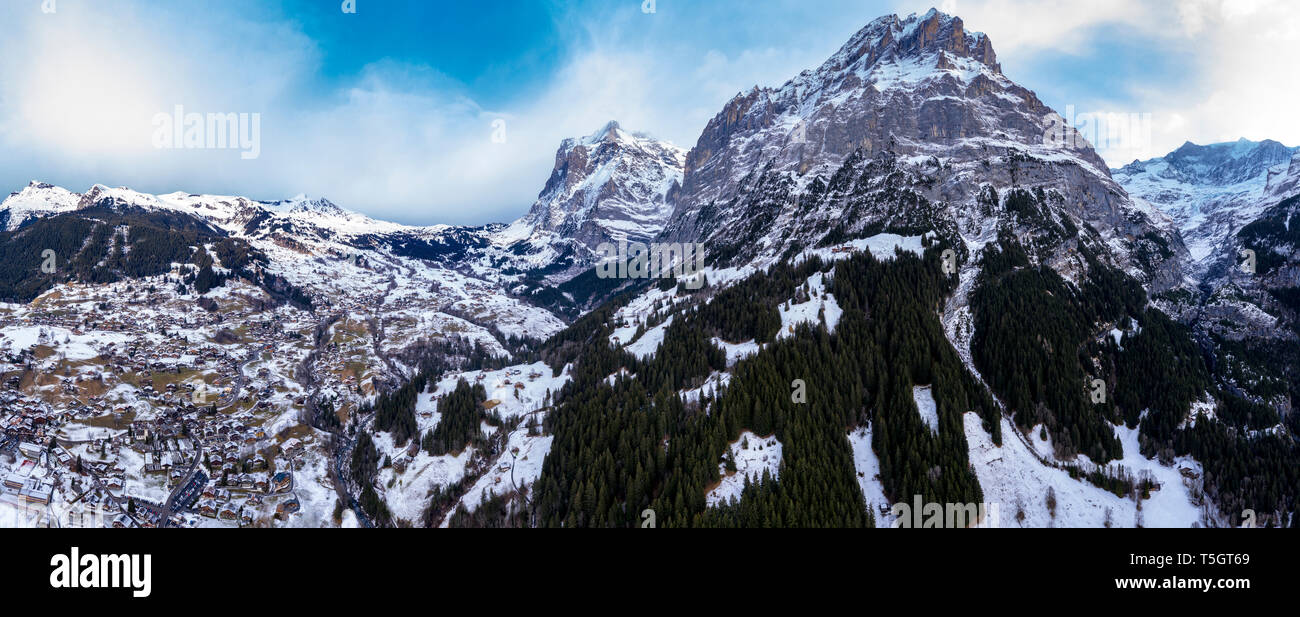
(208, 508)
(281, 481)
(287, 507)
(30, 450)
(291, 446)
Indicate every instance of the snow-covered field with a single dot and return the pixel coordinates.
(819, 302)
(881, 246)
(867, 468)
(736, 351)
(924, 398)
(407, 492)
(754, 455)
(1014, 477)
(504, 386)
(648, 343)
(520, 465)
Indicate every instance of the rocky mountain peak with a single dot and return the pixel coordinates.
(898, 84)
(911, 124)
(610, 183)
(892, 37)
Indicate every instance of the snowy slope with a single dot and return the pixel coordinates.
(1210, 191)
(35, 200)
(754, 456)
(1015, 477)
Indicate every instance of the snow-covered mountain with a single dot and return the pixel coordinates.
(1212, 191)
(35, 200)
(1227, 198)
(910, 125)
(231, 213)
(328, 251)
(605, 187)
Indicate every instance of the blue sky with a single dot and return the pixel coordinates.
(390, 111)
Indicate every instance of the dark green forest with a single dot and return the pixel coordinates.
(638, 444)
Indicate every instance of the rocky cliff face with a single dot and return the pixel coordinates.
(605, 187)
(910, 125)
(610, 184)
(1284, 181)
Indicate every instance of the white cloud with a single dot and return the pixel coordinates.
(1241, 82)
(1245, 82)
(1022, 26)
(79, 90)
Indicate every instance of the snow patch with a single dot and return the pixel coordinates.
(753, 455)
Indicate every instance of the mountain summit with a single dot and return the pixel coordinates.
(610, 183)
(607, 186)
(910, 125)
